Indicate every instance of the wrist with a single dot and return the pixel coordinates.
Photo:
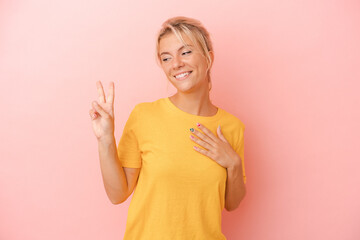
(236, 164)
(106, 140)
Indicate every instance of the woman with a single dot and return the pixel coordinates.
(186, 168)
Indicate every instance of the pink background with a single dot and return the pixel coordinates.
(288, 69)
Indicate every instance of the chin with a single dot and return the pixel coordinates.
(186, 89)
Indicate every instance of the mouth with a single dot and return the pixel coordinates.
(183, 75)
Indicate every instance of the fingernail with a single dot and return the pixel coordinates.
(198, 124)
(191, 129)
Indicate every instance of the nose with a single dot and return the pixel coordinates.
(177, 62)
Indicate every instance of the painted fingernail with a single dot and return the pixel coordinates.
(192, 136)
(198, 124)
(191, 129)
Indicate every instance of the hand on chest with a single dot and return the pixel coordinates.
(169, 154)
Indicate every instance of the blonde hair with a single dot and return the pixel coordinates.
(193, 29)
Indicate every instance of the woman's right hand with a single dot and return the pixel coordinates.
(102, 113)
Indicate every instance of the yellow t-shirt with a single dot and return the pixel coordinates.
(180, 192)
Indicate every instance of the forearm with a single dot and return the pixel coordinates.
(113, 174)
(235, 187)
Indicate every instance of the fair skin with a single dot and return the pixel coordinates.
(193, 97)
(119, 182)
(193, 94)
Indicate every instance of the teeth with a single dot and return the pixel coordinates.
(182, 75)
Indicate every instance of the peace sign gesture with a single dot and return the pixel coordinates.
(102, 113)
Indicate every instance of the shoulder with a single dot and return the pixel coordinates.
(232, 119)
(149, 106)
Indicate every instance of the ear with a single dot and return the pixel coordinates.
(212, 58)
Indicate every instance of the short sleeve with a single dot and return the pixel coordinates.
(240, 150)
(128, 147)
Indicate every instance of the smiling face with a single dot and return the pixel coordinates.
(176, 59)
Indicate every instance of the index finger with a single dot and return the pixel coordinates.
(100, 91)
(207, 131)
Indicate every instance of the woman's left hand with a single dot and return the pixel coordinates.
(216, 148)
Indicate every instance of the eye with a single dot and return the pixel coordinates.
(165, 59)
(187, 52)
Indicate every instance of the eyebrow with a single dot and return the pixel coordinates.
(189, 45)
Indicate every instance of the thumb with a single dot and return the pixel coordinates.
(93, 114)
(99, 109)
(220, 135)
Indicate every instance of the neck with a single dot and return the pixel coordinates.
(194, 103)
